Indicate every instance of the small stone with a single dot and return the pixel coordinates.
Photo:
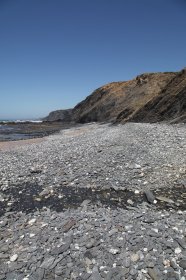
(165, 199)
(112, 231)
(38, 274)
(150, 197)
(3, 223)
(129, 201)
(150, 264)
(37, 198)
(4, 256)
(124, 271)
(59, 270)
(173, 264)
(84, 276)
(113, 251)
(32, 221)
(76, 246)
(127, 263)
(153, 274)
(14, 258)
(90, 244)
(88, 255)
(69, 225)
(95, 276)
(47, 262)
(181, 242)
(177, 250)
(85, 202)
(166, 263)
(133, 272)
(134, 257)
(182, 263)
(59, 250)
(1, 198)
(137, 166)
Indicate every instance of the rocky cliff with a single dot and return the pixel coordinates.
(120, 100)
(168, 105)
(150, 97)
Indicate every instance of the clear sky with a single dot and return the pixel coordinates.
(53, 53)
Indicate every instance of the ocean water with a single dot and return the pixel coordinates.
(7, 133)
(10, 133)
(20, 121)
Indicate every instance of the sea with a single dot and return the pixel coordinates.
(20, 121)
(9, 132)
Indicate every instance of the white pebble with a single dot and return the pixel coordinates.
(13, 258)
(177, 250)
(76, 246)
(113, 251)
(32, 221)
(155, 230)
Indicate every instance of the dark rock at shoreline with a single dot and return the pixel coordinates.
(59, 115)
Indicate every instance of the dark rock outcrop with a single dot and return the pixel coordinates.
(59, 115)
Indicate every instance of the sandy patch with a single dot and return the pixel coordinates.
(11, 145)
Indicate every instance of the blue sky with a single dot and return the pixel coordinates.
(53, 53)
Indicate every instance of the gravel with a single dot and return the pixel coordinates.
(95, 202)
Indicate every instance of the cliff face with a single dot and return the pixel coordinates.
(120, 100)
(150, 97)
(168, 105)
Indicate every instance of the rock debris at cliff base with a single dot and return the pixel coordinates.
(50, 230)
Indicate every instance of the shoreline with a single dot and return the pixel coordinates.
(27, 131)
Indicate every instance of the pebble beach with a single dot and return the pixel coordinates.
(98, 201)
